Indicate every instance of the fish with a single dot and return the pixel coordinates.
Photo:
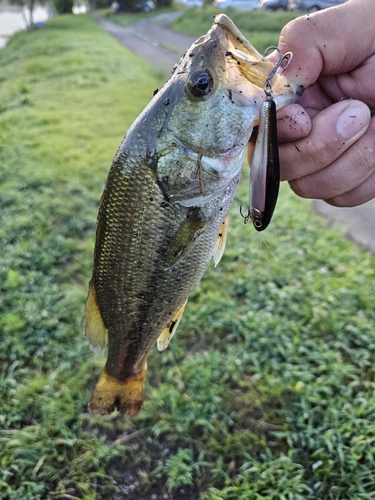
(164, 210)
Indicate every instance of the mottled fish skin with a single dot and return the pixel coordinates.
(167, 194)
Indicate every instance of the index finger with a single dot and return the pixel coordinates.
(318, 44)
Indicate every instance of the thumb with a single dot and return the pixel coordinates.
(318, 44)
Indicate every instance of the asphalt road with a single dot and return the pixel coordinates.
(151, 39)
(162, 47)
(358, 222)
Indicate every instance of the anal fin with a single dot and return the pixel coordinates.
(94, 329)
(168, 332)
(124, 395)
(221, 241)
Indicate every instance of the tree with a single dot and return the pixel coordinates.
(63, 6)
(26, 5)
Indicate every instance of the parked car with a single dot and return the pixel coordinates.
(273, 4)
(145, 6)
(141, 6)
(191, 3)
(236, 4)
(313, 5)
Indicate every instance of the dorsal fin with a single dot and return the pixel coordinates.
(94, 329)
(168, 332)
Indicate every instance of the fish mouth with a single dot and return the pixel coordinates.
(242, 57)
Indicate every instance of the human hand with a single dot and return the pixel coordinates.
(327, 140)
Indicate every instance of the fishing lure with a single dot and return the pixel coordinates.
(265, 167)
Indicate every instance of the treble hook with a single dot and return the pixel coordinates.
(246, 218)
(288, 56)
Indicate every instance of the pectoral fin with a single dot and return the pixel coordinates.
(185, 237)
(221, 241)
(168, 332)
(94, 329)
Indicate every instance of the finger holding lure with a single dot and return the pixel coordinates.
(265, 167)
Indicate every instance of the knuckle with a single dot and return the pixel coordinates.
(366, 160)
(298, 186)
(316, 155)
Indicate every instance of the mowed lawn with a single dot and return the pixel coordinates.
(261, 28)
(267, 391)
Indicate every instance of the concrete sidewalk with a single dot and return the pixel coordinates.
(358, 222)
(150, 39)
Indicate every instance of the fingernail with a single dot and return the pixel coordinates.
(352, 121)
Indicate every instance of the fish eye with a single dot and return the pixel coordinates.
(200, 83)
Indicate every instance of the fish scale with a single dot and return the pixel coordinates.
(163, 212)
(126, 297)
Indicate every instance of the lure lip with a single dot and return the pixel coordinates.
(257, 217)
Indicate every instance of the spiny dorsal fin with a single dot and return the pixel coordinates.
(221, 241)
(94, 329)
(168, 332)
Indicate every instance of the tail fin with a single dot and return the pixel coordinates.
(111, 394)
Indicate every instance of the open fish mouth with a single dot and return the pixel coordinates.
(241, 57)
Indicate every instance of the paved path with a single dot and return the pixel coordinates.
(359, 222)
(149, 39)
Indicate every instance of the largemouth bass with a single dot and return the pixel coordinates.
(163, 213)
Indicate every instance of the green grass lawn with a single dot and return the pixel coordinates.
(261, 28)
(267, 391)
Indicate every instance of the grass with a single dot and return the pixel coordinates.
(67, 97)
(262, 28)
(266, 391)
